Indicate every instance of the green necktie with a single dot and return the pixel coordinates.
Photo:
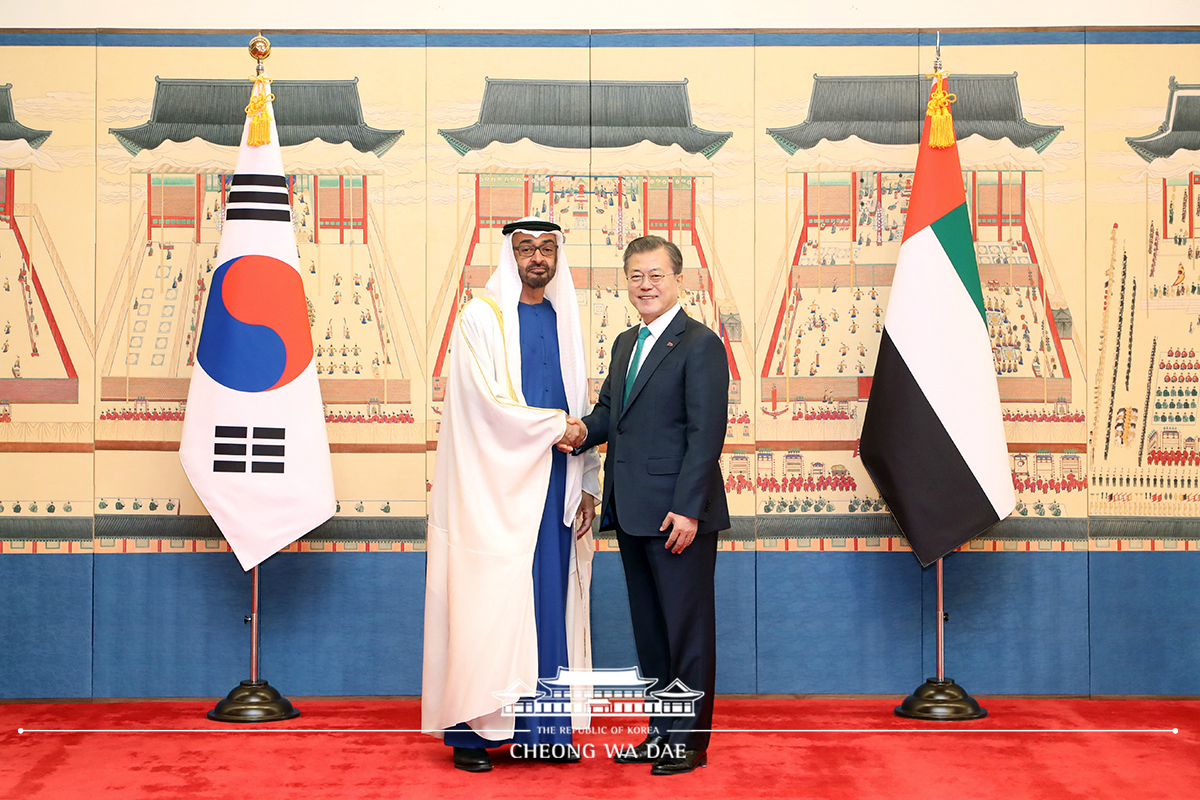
(643, 335)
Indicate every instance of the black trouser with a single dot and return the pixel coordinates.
(672, 602)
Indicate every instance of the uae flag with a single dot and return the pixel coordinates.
(933, 438)
(254, 443)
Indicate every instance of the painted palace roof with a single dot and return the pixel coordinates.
(576, 114)
(890, 109)
(215, 111)
(10, 129)
(1180, 130)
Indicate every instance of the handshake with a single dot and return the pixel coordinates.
(573, 436)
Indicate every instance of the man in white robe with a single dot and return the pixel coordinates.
(489, 504)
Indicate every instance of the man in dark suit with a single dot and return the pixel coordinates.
(663, 411)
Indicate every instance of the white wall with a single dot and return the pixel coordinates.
(611, 14)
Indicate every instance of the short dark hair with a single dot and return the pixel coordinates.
(648, 244)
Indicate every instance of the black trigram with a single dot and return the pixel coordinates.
(260, 197)
(265, 445)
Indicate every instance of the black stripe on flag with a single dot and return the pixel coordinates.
(230, 448)
(254, 179)
(934, 496)
(267, 466)
(269, 433)
(261, 214)
(258, 197)
(268, 450)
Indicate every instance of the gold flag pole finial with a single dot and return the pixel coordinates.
(260, 50)
(941, 124)
(260, 95)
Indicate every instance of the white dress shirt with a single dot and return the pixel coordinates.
(656, 329)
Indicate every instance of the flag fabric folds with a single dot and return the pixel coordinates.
(933, 436)
(254, 443)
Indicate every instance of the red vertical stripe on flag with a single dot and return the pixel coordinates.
(937, 184)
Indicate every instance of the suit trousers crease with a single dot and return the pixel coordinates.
(673, 607)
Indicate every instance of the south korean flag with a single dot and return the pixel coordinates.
(254, 443)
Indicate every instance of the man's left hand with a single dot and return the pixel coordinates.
(683, 531)
(585, 515)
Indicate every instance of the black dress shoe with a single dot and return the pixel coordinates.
(648, 752)
(472, 759)
(671, 765)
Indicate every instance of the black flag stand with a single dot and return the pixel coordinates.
(254, 700)
(940, 698)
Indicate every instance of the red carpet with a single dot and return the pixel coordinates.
(847, 749)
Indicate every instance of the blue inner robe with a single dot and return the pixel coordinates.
(541, 381)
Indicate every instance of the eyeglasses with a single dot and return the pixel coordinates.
(526, 250)
(636, 278)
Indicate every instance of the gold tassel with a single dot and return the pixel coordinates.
(941, 124)
(260, 120)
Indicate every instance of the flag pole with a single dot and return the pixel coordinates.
(941, 623)
(940, 698)
(897, 387)
(254, 700)
(254, 639)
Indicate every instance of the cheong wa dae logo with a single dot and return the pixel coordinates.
(599, 692)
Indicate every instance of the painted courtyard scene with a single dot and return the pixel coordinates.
(783, 175)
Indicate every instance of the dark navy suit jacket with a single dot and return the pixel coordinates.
(664, 445)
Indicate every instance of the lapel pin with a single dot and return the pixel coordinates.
(670, 344)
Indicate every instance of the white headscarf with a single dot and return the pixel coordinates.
(504, 287)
